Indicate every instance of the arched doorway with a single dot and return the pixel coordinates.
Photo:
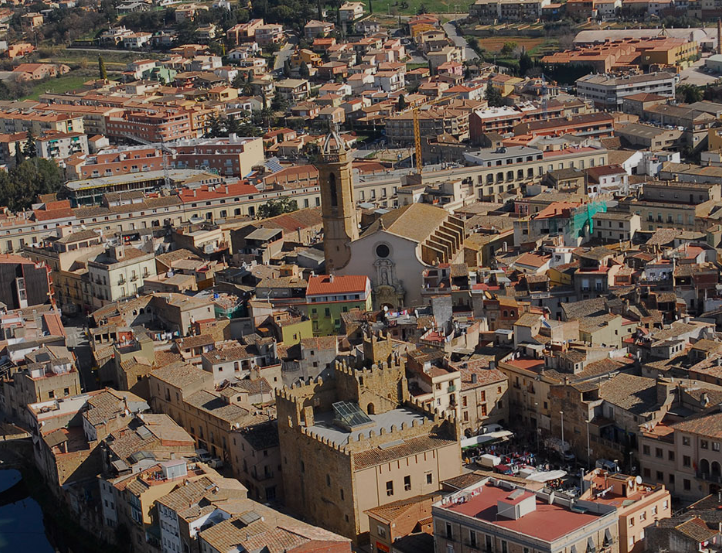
(704, 466)
(370, 409)
(716, 468)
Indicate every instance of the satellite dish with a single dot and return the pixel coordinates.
(638, 480)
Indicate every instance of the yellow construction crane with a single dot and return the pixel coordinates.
(417, 129)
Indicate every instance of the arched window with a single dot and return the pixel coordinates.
(715, 468)
(704, 466)
(334, 192)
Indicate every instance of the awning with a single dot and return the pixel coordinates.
(547, 476)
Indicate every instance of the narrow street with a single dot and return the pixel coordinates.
(78, 343)
(458, 40)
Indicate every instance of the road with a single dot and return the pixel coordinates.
(77, 342)
(459, 41)
(285, 52)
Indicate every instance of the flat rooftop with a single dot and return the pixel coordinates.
(325, 428)
(548, 522)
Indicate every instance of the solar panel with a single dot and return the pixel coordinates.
(350, 414)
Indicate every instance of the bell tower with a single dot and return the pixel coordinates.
(340, 226)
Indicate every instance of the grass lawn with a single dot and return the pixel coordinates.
(58, 85)
(393, 7)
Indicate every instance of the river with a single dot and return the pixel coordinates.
(21, 520)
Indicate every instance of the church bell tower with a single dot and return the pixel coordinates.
(340, 226)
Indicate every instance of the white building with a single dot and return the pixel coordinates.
(119, 273)
(608, 91)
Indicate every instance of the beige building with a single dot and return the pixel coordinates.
(356, 442)
(118, 274)
(483, 396)
(509, 518)
(67, 255)
(639, 505)
(615, 226)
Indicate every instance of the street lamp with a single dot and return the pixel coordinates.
(561, 413)
(589, 455)
(536, 406)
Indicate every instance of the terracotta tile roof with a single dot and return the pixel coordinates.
(332, 284)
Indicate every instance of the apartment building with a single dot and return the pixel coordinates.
(432, 122)
(60, 146)
(608, 92)
(507, 10)
(267, 34)
(501, 516)
(118, 274)
(40, 122)
(483, 397)
(615, 226)
(329, 296)
(160, 126)
(639, 505)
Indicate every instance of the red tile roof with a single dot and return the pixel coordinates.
(349, 284)
(547, 522)
(206, 192)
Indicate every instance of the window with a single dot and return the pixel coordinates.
(407, 483)
(390, 488)
(659, 453)
(685, 440)
(665, 505)
(654, 510)
(642, 516)
(687, 461)
(715, 446)
(631, 521)
(670, 455)
(704, 444)
(645, 450)
(449, 532)
(472, 538)
(429, 478)
(504, 547)
(381, 531)
(660, 478)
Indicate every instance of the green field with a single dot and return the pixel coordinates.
(58, 85)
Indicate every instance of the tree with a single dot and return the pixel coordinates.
(508, 48)
(103, 73)
(402, 103)
(20, 187)
(422, 9)
(525, 63)
(31, 149)
(689, 94)
(280, 206)
(287, 68)
(493, 96)
(303, 70)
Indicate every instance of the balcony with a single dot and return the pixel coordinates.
(707, 477)
(451, 388)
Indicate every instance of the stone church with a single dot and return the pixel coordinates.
(395, 249)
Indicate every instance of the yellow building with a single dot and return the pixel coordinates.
(670, 52)
(714, 139)
(306, 56)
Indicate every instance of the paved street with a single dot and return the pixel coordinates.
(78, 343)
(459, 40)
(285, 52)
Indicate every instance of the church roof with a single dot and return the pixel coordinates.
(414, 221)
